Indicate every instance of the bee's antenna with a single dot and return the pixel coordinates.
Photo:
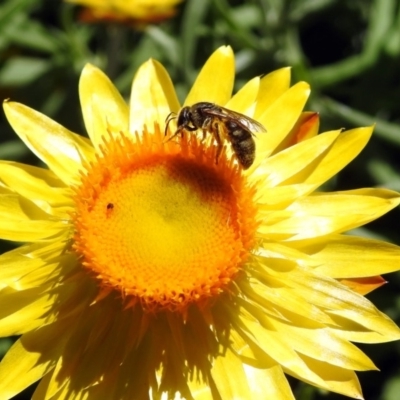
(170, 117)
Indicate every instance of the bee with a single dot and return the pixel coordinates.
(222, 123)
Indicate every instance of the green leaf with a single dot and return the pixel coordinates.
(13, 8)
(193, 16)
(30, 34)
(13, 150)
(19, 71)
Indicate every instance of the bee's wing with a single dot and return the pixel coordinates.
(244, 121)
(251, 124)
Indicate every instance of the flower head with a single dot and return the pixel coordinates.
(156, 266)
(136, 11)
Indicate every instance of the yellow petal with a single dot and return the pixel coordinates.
(324, 345)
(278, 349)
(290, 162)
(272, 86)
(104, 110)
(25, 311)
(153, 97)
(264, 375)
(49, 386)
(18, 270)
(342, 302)
(281, 196)
(37, 184)
(23, 221)
(375, 322)
(347, 146)
(215, 80)
(279, 119)
(281, 251)
(334, 378)
(305, 128)
(326, 376)
(21, 366)
(280, 300)
(357, 334)
(269, 383)
(28, 298)
(17, 263)
(326, 213)
(321, 374)
(229, 377)
(44, 275)
(244, 99)
(200, 391)
(62, 150)
(342, 256)
(21, 261)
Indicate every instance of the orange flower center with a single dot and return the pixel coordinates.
(162, 222)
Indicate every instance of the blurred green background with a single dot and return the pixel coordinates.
(349, 51)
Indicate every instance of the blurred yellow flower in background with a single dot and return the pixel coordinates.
(137, 11)
(152, 270)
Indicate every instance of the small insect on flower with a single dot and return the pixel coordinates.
(222, 123)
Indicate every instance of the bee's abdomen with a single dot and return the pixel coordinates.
(242, 144)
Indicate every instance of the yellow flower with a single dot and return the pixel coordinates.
(137, 11)
(154, 269)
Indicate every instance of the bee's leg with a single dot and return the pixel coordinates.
(205, 127)
(179, 131)
(218, 139)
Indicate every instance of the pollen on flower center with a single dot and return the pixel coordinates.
(161, 222)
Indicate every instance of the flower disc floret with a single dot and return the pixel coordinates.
(164, 227)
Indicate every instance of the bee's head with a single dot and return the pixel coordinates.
(184, 116)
